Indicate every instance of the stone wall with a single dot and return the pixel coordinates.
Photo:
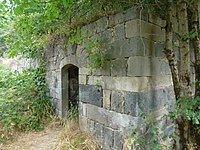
(134, 80)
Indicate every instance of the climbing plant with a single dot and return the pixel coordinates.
(24, 104)
(28, 24)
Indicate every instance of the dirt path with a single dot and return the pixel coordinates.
(55, 137)
(45, 140)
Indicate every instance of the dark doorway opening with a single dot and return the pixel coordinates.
(73, 87)
(70, 91)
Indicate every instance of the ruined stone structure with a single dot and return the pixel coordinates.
(134, 80)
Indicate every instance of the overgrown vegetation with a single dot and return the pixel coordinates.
(24, 104)
(152, 134)
(94, 46)
(73, 138)
(65, 137)
(27, 26)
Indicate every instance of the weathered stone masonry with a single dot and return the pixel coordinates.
(135, 78)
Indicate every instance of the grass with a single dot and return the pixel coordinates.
(55, 136)
(72, 138)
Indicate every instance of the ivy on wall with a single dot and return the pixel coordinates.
(28, 24)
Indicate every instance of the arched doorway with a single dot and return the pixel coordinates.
(70, 89)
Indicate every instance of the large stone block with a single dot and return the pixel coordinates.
(157, 20)
(119, 18)
(134, 84)
(131, 99)
(84, 71)
(70, 60)
(83, 123)
(119, 31)
(137, 103)
(111, 119)
(91, 94)
(91, 126)
(140, 28)
(143, 66)
(159, 49)
(128, 48)
(141, 46)
(134, 46)
(82, 109)
(83, 59)
(99, 132)
(114, 50)
(118, 140)
(89, 29)
(111, 21)
(107, 99)
(104, 70)
(161, 81)
(108, 138)
(118, 67)
(135, 13)
(139, 66)
(117, 101)
(94, 80)
(158, 98)
(82, 79)
(102, 24)
(165, 69)
(107, 36)
(119, 48)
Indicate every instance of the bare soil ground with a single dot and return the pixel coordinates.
(44, 140)
(54, 137)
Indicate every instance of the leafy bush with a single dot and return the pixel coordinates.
(189, 108)
(24, 104)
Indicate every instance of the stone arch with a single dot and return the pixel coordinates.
(70, 88)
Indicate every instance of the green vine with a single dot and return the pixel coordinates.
(96, 53)
(94, 47)
(190, 109)
(24, 104)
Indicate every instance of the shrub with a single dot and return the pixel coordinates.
(24, 104)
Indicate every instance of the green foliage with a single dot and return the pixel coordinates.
(72, 111)
(75, 36)
(93, 46)
(149, 136)
(190, 109)
(191, 36)
(2, 44)
(24, 104)
(28, 24)
(96, 53)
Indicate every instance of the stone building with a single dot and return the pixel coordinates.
(135, 78)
